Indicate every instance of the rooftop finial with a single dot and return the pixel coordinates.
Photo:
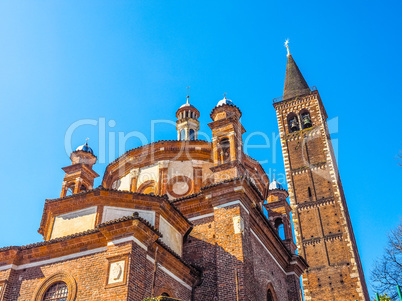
(287, 46)
(86, 141)
(224, 95)
(188, 94)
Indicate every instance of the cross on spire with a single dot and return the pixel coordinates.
(287, 46)
(188, 94)
(86, 141)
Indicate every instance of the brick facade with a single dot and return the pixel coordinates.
(90, 271)
(185, 219)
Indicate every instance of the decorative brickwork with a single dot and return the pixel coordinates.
(323, 229)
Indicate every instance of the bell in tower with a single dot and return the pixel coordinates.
(294, 124)
(306, 120)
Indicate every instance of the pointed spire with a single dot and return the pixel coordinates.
(295, 84)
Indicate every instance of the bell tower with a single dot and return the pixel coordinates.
(187, 123)
(323, 228)
(79, 175)
(227, 141)
(279, 214)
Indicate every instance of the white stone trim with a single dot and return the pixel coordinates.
(170, 273)
(78, 213)
(126, 239)
(230, 204)
(53, 260)
(8, 266)
(129, 212)
(200, 216)
(175, 277)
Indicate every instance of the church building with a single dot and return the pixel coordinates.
(184, 219)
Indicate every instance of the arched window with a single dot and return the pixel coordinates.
(305, 119)
(293, 123)
(182, 135)
(279, 227)
(192, 134)
(58, 287)
(224, 150)
(70, 190)
(57, 292)
(281, 232)
(270, 296)
(83, 188)
(165, 295)
(309, 192)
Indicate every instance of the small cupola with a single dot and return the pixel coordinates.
(275, 185)
(85, 148)
(225, 101)
(225, 108)
(187, 124)
(79, 175)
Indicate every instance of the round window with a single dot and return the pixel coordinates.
(57, 287)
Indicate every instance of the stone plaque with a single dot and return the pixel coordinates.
(116, 271)
(238, 224)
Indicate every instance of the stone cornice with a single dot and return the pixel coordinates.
(295, 101)
(318, 240)
(313, 204)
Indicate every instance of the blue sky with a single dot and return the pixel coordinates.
(130, 62)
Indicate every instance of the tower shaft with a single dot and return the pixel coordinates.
(323, 228)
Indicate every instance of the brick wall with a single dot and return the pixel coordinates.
(224, 255)
(90, 274)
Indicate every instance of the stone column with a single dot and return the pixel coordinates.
(163, 177)
(233, 152)
(77, 186)
(134, 177)
(197, 175)
(63, 189)
(215, 150)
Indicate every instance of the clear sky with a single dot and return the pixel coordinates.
(127, 63)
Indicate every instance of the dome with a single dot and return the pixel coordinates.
(187, 105)
(275, 185)
(225, 101)
(85, 148)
